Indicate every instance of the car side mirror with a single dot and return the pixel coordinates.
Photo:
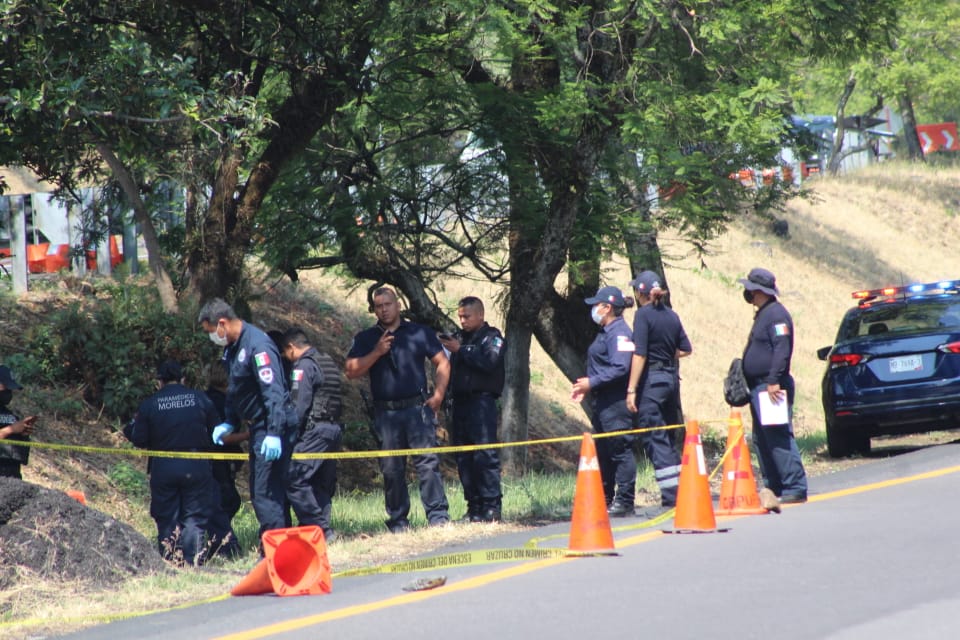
(823, 352)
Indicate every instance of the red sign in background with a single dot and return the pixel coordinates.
(938, 137)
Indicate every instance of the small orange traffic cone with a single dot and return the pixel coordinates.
(694, 505)
(738, 492)
(295, 564)
(590, 532)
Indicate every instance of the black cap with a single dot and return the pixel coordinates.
(6, 378)
(760, 280)
(608, 295)
(169, 371)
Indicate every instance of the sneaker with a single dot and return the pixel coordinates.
(769, 500)
(620, 510)
(793, 498)
(490, 515)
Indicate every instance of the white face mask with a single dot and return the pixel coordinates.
(216, 339)
(596, 315)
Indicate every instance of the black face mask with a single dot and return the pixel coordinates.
(748, 295)
(5, 397)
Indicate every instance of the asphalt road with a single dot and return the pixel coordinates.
(873, 554)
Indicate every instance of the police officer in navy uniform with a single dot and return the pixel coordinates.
(182, 490)
(652, 390)
(315, 390)
(608, 369)
(256, 394)
(766, 366)
(12, 429)
(392, 353)
(476, 381)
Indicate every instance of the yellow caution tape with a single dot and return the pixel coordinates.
(339, 455)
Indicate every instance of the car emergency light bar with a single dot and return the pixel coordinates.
(910, 290)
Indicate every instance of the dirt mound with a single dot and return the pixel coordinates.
(48, 534)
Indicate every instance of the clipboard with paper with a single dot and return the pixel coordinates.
(772, 413)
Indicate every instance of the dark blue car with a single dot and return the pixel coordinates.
(895, 366)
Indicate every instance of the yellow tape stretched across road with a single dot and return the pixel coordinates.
(340, 455)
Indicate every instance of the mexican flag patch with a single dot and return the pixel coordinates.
(782, 329)
(262, 359)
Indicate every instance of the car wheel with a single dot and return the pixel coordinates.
(842, 442)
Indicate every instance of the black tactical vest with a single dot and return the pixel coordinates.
(327, 401)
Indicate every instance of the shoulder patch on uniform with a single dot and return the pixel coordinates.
(497, 344)
(624, 343)
(262, 359)
(781, 329)
(296, 375)
(266, 374)
(242, 356)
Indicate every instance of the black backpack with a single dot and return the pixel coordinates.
(736, 391)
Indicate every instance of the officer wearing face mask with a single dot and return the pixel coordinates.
(12, 428)
(608, 368)
(766, 366)
(256, 393)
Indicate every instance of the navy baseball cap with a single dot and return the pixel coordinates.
(169, 371)
(608, 295)
(760, 280)
(646, 281)
(6, 378)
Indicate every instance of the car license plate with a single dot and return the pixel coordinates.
(906, 363)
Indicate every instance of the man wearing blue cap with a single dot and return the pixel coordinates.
(608, 367)
(766, 366)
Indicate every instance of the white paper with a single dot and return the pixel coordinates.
(773, 414)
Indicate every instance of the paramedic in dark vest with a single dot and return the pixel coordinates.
(608, 369)
(183, 492)
(12, 428)
(659, 342)
(393, 352)
(256, 394)
(766, 366)
(476, 381)
(315, 391)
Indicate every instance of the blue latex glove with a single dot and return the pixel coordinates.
(270, 449)
(221, 430)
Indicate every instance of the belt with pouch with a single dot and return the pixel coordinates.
(397, 405)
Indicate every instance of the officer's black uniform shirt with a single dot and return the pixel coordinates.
(256, 391)
(658, 334)
(312, 384)
(478, 366)
(402, 375)
(175, 418)
(608, 363)
(770, 345)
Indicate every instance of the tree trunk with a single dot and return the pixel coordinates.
(836, 153)
(168, 297)
(914, 150)
(515, 405)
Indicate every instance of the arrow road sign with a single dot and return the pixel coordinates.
(938, 137)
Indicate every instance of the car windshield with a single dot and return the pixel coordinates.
(901, 317)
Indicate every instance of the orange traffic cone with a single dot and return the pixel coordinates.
(295, 564)
(694, 505)
(590, 532)
(738, 492)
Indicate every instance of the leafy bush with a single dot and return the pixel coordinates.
(129, 481)
(113, 345)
